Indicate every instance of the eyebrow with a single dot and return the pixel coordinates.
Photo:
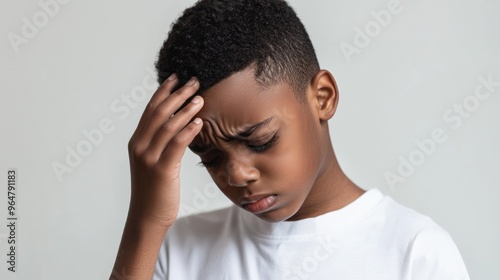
(241, 135)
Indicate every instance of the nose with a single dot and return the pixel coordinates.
(240, 174)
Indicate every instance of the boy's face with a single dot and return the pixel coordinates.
(268, 169)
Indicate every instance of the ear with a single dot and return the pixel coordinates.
(323, 95)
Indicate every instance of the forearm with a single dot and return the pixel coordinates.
(138, 251)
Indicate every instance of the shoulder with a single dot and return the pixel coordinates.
(405, 220)
(431, 252)
(409, 224)
(384, 215)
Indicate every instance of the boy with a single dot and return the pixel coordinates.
(242, 88)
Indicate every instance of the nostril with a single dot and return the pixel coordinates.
(239, 175)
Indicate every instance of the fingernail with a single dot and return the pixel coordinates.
(191, 81)
(172, 77)
(197, 121)
(196, 100)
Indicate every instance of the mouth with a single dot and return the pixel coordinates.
(258, 203)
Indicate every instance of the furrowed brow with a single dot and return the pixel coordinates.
(241, 135)
(247, 131)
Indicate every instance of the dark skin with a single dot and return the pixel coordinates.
(289, 157)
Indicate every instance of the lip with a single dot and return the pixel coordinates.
(258, 203)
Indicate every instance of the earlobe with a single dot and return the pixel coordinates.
(325, 94)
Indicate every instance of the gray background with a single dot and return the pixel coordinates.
(85, 59)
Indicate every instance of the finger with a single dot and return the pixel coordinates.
(158, 97)
(174, 125)
(176, 148)
(158, 114)
(164, 111)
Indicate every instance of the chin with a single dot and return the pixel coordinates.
(277, 215)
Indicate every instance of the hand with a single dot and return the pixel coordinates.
(155, 152)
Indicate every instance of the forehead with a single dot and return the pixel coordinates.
(239, 101)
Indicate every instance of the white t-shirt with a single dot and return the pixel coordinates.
(374, 237)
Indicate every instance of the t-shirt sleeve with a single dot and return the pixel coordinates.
(434, 256)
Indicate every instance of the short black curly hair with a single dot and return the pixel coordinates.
(216, 38)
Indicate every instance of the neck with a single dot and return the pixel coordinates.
(331, 191)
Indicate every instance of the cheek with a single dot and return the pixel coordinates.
(294, 165)
(220, 179)
(304, 145)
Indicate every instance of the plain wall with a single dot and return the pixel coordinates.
(87, 64)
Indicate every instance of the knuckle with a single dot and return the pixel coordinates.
(151, 105)
(135, 153)
(148, 159)
(159, 112)
(167, 126)
(178, 141)
(130, 144)
(138, 151)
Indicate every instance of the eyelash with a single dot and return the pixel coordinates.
(255, 148)
(265, 146)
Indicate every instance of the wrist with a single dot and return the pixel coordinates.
(147, 216)
(139, 248)
(146, 223)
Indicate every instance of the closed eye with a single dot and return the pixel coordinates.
(210, 164)
(253, 147)
(261, 148)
